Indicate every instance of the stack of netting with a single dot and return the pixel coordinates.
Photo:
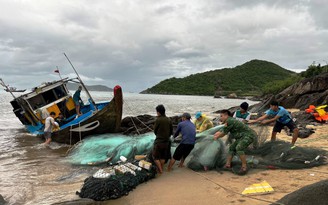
(207, 153)
(109, 147)
(281, 154)
(116, 186)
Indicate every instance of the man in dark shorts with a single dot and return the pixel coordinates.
(163, 130)
(188, 131)
(282, 118)
(48, 126)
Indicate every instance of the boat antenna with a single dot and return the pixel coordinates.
(7, 87)
(78, 77)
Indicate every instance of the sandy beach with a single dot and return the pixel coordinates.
(184, 186)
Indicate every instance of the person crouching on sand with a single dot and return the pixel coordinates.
(188, 132)
(242, 133)
(163, 130)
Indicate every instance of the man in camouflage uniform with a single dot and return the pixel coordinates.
(242, 133)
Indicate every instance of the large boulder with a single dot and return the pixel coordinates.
(312, 194)
(308, 91)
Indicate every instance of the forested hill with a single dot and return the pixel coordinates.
(248, 79)
(74, 86)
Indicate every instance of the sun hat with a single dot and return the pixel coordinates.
(198, 115)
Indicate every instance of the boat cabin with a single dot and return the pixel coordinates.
(34, 107)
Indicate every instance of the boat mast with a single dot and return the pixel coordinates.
(7, 87)
(78, 77)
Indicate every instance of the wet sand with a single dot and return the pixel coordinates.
(184, 186)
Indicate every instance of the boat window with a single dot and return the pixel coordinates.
(36, 102)
(60, 92)
(49, 96)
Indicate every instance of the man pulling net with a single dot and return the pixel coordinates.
(244, 136)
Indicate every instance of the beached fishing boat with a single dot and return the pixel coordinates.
(97, 118)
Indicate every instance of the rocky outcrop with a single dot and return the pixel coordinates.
(142, 124)
(309, 91)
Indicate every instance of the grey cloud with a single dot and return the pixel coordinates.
(139, 43)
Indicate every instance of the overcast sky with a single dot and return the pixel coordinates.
(137, 43)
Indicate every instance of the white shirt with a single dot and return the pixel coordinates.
(48, 124)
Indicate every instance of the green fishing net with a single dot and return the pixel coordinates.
(109, 147)
(207, 153)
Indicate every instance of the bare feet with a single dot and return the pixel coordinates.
(227, 166)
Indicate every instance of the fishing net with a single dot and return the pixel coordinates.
(109, 147)
(281, 154)
(207, 153)
(116, 186)
(262, 134)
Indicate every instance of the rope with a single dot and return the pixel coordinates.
(319, 171)
(137, 119)
(73, 147)
(144, 124)
(135, 125)
(230, 190)
(70, 141)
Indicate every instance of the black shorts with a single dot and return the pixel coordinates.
(161, 150)
(182, 151)
(279, 126)
(47, 135)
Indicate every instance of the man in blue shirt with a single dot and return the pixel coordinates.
(282, 118)
(188, 131)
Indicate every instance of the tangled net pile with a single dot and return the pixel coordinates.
(115, 186)
(109, 147)
(281, 154)
(207, 152)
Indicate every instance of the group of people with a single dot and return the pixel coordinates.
(236, 125)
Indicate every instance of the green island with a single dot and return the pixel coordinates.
(253, 78)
